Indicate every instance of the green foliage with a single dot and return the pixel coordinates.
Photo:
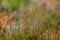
(15, 3)
(35, 34)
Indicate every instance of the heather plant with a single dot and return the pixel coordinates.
(31, 20)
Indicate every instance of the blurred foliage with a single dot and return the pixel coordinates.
(15, 3)
(43, 20)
